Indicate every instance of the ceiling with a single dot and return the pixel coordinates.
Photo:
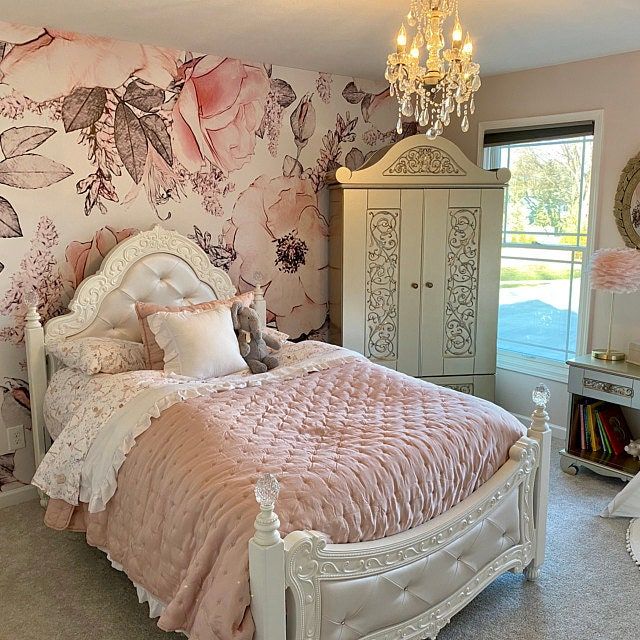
(348, 37)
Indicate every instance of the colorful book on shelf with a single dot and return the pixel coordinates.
(585, 426)
(584, 440)
(596, 444)
(606, 445)
(615, 426)
(575, 430)
(580, 423)
(600, 437)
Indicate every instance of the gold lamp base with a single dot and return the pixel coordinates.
(608, 354)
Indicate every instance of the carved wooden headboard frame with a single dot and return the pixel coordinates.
(89, 297)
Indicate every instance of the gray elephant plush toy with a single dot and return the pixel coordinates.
(254, 345)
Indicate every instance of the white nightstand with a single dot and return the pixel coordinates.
(615, 382)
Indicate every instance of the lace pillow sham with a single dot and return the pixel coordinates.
(93, 355)
(154, 356)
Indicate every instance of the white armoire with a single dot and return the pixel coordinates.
(414, 258)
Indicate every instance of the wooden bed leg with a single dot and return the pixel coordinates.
(266, 565)
(37, 375)
(540, 431)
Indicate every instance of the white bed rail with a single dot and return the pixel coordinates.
(500, 527)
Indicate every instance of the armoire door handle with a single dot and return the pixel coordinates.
(429, 285)
(414, 285)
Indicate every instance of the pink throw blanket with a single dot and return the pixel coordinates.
(361, 452)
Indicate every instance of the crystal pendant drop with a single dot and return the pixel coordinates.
(465, 123)
(475, 83)
(438, 127)
(458, 110)
(424, 118)
(406, 108)
(431, 134)
(399, 125)
(472, 106)
(392, 90)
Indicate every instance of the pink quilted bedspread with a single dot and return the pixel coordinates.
(361, 452)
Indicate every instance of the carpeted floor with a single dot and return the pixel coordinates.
(55, 587)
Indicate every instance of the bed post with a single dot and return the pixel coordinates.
(540, 431)
(266, 565)
(37, 376)
(260, 305)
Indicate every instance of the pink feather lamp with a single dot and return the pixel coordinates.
(616, 271)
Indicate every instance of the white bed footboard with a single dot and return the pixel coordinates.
(408, 585)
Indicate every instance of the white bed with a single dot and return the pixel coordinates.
(299, 583)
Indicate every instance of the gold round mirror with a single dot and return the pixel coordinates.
(627, 204)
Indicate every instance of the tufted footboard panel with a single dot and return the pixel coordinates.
(351, 608)
(410, 585)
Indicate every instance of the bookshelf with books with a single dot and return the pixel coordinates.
(604, 414)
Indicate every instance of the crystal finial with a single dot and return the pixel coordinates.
(258, 277)
(31, 298)
(541, 395)
(267, 490)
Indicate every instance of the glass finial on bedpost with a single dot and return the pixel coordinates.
(539, 418)
(31, 298)
(267, 523)
(259, 303)
(540, 395)
(267, 489)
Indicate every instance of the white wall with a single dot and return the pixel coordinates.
(611, 84)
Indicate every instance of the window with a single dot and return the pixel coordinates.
(545, 237)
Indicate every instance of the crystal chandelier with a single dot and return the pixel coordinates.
(446, 82)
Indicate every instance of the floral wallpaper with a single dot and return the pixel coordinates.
(100, 138)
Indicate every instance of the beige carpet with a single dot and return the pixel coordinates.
(54, 587)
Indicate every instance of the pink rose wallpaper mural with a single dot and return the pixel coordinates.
(100, 138)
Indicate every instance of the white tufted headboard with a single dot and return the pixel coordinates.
(160, 266)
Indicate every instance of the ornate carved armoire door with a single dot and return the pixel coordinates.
(460, 272)
(393, 228)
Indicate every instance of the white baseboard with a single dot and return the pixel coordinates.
(556, 429)
(16, 496)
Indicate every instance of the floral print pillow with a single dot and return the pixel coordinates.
(99, 355)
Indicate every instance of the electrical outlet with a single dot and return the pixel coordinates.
(15, 437)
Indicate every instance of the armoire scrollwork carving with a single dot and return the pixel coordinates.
(414, 262)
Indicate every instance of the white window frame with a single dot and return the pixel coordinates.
(532, 365)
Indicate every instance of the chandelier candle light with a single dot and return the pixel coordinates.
(446, 82)
(616, 271)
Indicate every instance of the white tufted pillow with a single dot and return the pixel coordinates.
(198, 345)
(93, 355)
